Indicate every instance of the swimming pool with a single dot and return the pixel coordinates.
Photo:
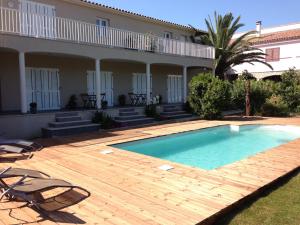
(214, 147)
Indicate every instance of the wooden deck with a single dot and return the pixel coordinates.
(128, 188)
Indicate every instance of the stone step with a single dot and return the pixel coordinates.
(135, 122)
(69, 123)
(176, 116)
(171, 113)
(172, 108)
(66, 114)
(62, 131)
(124, 110)
(129, 117)
(128, 113)
(67, 118)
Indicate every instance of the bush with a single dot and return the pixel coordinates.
(122, 100)
(72, 104)
(260, 91)
(290, 89)
(150, 111)
(106, 121)
(187, 107)
(275, 106)
(209, 95)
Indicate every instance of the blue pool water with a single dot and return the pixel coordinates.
(214, 147)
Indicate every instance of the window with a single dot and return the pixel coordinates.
(167, 34)
(272, 54)
(102, 25)
(183, 38)
(102, 22)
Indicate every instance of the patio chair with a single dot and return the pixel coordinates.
(10, 172)
(11, 149)
(31, 191)
(28, 145)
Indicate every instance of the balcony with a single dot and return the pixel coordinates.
(57, 28)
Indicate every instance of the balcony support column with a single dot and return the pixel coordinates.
(148, 91)
(98, 83)
(22, 74)
(184, 83)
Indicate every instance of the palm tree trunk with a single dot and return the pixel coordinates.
(248, 105)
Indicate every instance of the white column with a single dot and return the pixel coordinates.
(148, 73)
(22, 72)
(184, 84)
(98, 83)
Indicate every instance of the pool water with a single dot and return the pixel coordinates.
(211, 148)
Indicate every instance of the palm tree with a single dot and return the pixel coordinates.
(229, 52)
(247, 77)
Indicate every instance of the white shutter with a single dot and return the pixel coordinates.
(42, 85)
(175, 85)
(139, 83)
(106, 85)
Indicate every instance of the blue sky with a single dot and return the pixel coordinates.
(271, 12)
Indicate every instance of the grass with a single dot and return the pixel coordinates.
(277, 206)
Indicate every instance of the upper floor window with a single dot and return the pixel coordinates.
(102, 22)
(183, 38)
(167, 34)
(272, 54)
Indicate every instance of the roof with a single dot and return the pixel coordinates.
(277, 37)
(137, 15)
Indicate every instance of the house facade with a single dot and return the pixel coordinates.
(53, 49)
(282, 46)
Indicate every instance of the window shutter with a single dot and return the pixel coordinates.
(276, 54)
(269, 54)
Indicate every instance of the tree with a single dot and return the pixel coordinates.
(247, 77)
(229, 51)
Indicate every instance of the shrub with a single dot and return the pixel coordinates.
(150, 111)
(209, 95)
(187, 107)
(106, 121)
(275, 106)
(122, 100)
(260, 91)
(290, 89)
(72, 104)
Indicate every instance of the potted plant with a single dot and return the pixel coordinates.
(104, 104)
(122, 100)
(33, 107)
(72, 104)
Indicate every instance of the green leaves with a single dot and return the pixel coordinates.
(229, 52)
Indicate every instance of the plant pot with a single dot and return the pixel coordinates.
(33, 110)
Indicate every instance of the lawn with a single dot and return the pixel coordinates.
(279, 206)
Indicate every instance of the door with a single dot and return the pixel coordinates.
(106, 85)
(139, 83)
(37, 19)
(42, 86)
(174, 88)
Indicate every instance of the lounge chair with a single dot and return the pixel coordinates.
(31, 191)
(15, 150)
(28, 145)
(10, 172)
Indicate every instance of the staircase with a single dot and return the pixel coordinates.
(129, 117)
(171, 112)
(68, 123)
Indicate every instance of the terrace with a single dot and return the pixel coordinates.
(25, 24)
(128, 188)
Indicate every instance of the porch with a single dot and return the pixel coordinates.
(49, 80)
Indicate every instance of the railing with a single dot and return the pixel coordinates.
(57, 28)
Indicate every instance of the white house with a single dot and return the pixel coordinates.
(282, 46)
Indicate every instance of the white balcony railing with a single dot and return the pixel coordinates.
(57, 28)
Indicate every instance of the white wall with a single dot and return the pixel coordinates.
(289, 58)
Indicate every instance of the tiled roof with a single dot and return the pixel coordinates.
(136, 14)
(277, 37)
